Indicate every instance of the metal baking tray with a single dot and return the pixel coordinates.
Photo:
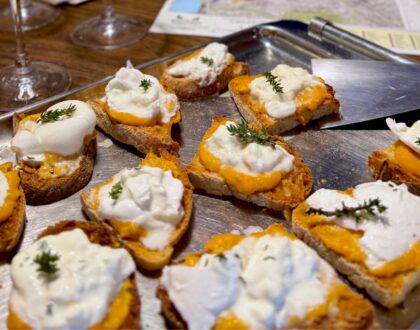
(337, 158)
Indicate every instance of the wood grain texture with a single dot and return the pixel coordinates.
(52, 43)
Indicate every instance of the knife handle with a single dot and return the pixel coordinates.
(323, 30)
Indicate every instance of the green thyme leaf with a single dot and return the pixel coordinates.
(418, 141)
(47, 262)
(57, 114)
(145, 84)
(221, 257)
(248, 135)
(242, 280)
(116, 191)
(362, 211)
(269, 258)
(207, 60)
(272, 80)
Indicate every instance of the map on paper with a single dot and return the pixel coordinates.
(391, 23)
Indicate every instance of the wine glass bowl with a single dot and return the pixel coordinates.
(35, 15)
(109, 30)
(28, 81)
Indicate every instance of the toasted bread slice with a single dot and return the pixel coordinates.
(144, 257)
(11, 229)
(40, 189)
(102, 235)
(352, 310)
(144, 138)
(386, 290)
(254, 112)
(293, 188)
(187, 89)
(385, 167)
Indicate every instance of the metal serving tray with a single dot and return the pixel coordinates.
(337, 159)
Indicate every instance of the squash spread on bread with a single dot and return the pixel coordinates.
(307, 100)
(267, 279)
(386, 245)
(137, 99)
(249, 167)
(9, 191)
(65, 281)
(52, 143)
(295, 93)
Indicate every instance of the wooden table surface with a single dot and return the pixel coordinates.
(52, 43)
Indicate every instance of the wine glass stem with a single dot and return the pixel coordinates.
(108, 15)
(22, 60)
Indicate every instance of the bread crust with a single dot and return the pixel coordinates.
(39, 190)
(11, 229)
(277, 126)
(144, 138)
(144, 257)
(386, 169)
(102, 235)
(187, 89)
(293, 189)
(376, 288)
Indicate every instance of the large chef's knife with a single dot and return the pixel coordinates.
(370, 90)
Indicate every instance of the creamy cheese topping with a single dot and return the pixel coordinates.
(150, 198)
(4, 188)
(388, 235)
(408, 135)
(125, 94)
(252, 158)
(64, 137)
(197, 69)
(79, 295)
(264, 281)
(293, 81)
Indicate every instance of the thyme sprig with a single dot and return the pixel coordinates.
(248, 135)
(47, 262)
(362, 211)
(207, 60)
(116, 191)
(57, 114)
(272, 80)
(145, 84)
(418, 141)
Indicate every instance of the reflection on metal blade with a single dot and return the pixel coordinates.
(370, 89)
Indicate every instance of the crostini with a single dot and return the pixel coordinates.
(149, 206)
(12, 207)
(400, 162)
(136, 110)
(283, 98)
(55, 151)
(203, 73)
(237, 159)
(370, 233)
(76, 275)
(264, 280)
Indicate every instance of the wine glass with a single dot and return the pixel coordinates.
(35, 15)
(27, 81)
(108, 31)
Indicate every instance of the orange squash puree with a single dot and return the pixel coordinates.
(346, 243)
(13, 194)
(230, 322)
(244, 183)
(406, 158)
(117, 312)
(307, 101)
